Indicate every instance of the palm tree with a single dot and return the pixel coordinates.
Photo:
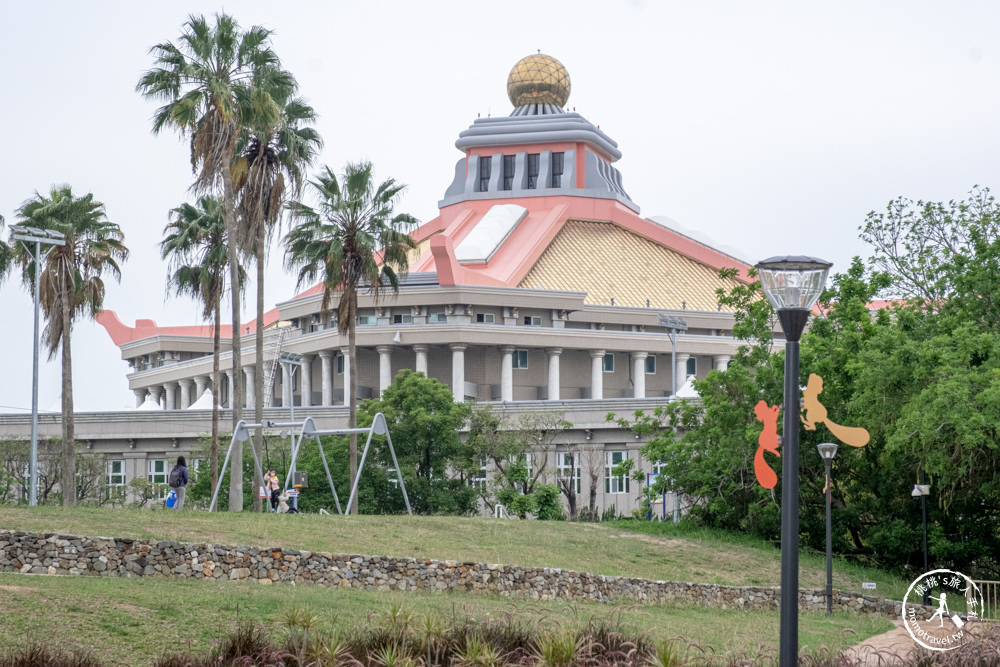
(201, 80)
(352, 240)
(276, 148)
(195, 242)
(6, 256)
(71, 286)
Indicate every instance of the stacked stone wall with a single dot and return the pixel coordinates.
(55, 554)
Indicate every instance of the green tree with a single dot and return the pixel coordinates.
(195, 243)
(424, 420)
(353, 240)
(72, 286)
(7, 255)
(201, 81)
(276, 146)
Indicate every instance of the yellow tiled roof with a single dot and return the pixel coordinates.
(606, 261)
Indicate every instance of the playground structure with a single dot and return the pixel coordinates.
(307, 429)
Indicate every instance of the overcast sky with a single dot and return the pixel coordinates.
(774, 127)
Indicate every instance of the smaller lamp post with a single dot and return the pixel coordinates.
(792, 284)
(828, 450)
(922, 491)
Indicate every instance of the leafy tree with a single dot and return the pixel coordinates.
(195, 243)
(423, 420)
(72, 285)
(202, 80)
(275, 147)
(354, 239)
(7, 256)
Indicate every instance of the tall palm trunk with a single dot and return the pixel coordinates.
(69, 437)
(258, 376)
(236, 469)
(216, 352)
(352, 401)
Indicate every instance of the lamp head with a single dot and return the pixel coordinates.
(793, 282)
(827, 450)
(920, 490)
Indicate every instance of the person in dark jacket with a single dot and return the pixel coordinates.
(182, 479)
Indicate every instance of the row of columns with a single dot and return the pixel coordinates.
(326, 358)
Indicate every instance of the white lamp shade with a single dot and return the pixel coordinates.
(793, 282)
(827, 450)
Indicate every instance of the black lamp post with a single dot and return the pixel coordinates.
(792, 284)
(828, 450)
(922, 491)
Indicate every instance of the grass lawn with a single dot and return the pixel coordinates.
(638, 549)
(134, 621)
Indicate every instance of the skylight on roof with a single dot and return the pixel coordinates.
(489, 234)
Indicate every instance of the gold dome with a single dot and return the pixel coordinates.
(538, 79)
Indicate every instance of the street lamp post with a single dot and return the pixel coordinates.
(49, 237)
(828, 450)
(792, 284)
(922, 491)
(674, 325)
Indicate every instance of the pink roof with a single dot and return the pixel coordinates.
(121, 333)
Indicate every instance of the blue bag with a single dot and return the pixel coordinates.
(171, 498)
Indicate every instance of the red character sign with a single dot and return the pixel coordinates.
(768, 440)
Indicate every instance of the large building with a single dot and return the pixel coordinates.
(539, 286)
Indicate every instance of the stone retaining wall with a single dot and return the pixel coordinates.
(54, 554)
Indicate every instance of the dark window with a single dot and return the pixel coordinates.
(485, 318)
(557, 169)
(692, 366)
(520, 359)
(532, 171)
(485, 164)
(508, 172)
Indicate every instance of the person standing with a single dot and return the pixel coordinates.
(178, 481)
(273, 487)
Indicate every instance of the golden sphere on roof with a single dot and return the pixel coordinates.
(538, 79)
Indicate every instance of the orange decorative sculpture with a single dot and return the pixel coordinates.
(768, 440)
(815, 413)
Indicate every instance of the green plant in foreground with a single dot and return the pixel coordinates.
(476, 652)
(664, 654)
(558, 649)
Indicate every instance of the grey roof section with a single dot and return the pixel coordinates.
(536, 110)
(536, 129)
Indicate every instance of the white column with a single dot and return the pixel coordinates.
(155, 392)
(639, 373)
(384, 367)
(200, 383)
(306, 383)
(347, 375)
(554, 353)
(170, 391)
(682, 369)
(231, 387)
(286, 386)
(186, 393)
(597, 373)
(326, 381)
(506, 373)
(248, 372)
(140, 396)
(721, 361)
(458, 371)
(421, 352)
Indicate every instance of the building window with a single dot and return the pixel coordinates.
(115, 474)
(520, 358)
(437, 317)
(651, 365)
(485, 167)
(157, 471)
(485, 318)
(532, 171)
(340, 364)
(609, 362)
(478, 479)
(367, 319)
(692, 366)
(532, 321)
(568, 467)
(508, 172)
(614, 484)
(557, 169)
(402, 319)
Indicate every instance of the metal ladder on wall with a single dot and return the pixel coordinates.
(274, 353)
